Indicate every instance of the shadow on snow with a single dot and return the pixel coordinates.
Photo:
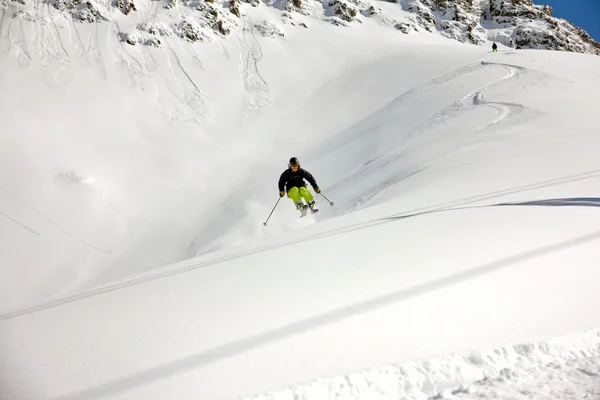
(449, 206)
(237, 347)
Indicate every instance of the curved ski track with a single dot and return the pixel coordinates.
(508, 113)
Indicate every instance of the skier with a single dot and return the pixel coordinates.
(494, 47)
(292, 181)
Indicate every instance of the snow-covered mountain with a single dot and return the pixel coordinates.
(458, 261)
(515, 23)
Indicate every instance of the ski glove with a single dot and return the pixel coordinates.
(317, 190)
(281, 194)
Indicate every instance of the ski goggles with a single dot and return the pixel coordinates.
(294, 167)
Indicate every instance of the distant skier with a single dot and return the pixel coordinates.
(292, 181)
(494, 47)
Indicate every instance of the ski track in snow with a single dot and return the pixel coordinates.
(149, 62)
(145, 17)
(77, 44)
(593, 174)
(258, 94)
(176, 109)
(224, 51)
(93, 55)
(17, 37)
(194, 98)
(56, 65)
(127, 62)
(194, 57)
(4, 29)
(187, 47)
(90, 55)
(508, 113)
(130, 68)
(473, 99)
(56, 32)
(195, 102)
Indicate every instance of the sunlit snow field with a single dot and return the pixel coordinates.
(459, 259)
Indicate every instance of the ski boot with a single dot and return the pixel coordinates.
(313, 206)
(303, 208)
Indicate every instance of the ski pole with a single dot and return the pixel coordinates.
(330, 202)
(265, 223)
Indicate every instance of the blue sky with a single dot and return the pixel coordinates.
(583, 13)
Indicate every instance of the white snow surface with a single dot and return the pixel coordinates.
(460, 259)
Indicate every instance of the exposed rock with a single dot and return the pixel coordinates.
(514, 23)
(190, 30)
(564, 36)
(155, 28)
(534, 27)
(269, 29)
(343, 10)
(304, 7)
(369, 12)
(222, 28)
(68, 5)
(155, 42)
(518, 23)
(405, 27)
(336, 21)
(234, 7)
(424, 11)
(89, 12)
(125, 6)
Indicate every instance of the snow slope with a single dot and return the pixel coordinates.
(465, 216)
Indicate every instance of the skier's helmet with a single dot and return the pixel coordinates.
(294, 162)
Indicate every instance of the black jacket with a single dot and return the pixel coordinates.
(289, 179)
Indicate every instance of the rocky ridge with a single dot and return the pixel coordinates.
(517, 24)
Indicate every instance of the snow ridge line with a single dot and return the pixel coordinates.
(274, 335)
(569, 363)
(362, 225)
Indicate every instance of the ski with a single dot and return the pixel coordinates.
(303, 211)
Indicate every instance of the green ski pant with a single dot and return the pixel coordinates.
(296, 194)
